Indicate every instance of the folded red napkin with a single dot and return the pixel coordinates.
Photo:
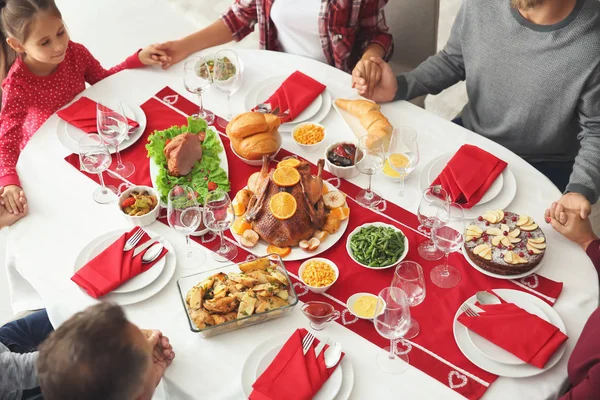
(296, 93)
(113, 267)
(293, 375)
(82, 114)
(469, 174)
(525, 335)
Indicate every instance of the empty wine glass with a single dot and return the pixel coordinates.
(392, 320)
(185, 215)
(227, 75)
(409, 277)
(403, 153)
(447, 234)
(95, 158)
(370, 163)
(197, 79)
(218, 217)
(432, 199)
(113, 126)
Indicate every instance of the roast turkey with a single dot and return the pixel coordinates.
(182, 153)
(310, 211)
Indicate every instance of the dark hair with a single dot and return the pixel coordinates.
(16, 17)
(92, 356)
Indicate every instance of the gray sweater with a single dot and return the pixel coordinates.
(533, 89)
(17, 373)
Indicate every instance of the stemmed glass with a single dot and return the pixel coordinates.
(447, 234)
(433, 198)
(95, 158)
(371, 162)
(184, 215)
(409, 277)
(197, 79)
(218, 217)
(403, 153)
(392, 320)
(113, 126)
(227, 75)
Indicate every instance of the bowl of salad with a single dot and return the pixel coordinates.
(230, 69)
(140, 205)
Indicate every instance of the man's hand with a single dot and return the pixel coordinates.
(13, 199)
(366, 71)
(573, 227)
(6, 218)
(386, 87)
(151, 55)
(174, 51)
(161, 347)
(574, 202)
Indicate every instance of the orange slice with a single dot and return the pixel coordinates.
(238, 209)
(281, 251)
(286, 176)
(325, 188)
(240, 225)
(289, 162)
(341, 212)
(282, 205)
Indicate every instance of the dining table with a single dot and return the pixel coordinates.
(63, 219)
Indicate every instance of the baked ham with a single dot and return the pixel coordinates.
(182, 153)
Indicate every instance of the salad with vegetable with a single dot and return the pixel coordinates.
(377, 246)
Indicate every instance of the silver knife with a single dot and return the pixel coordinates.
(321, 346)
(144, 246)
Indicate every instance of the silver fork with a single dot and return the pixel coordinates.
(134, 240)
(265, 108)
(469, 311)
(307, 342)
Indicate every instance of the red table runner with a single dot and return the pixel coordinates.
(434, 350)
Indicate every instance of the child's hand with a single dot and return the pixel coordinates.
(151, 55)
(6, 218)
(367, 73)
(175, 51)
(13, 199)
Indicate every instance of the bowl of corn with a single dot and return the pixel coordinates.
(318, 274)
(309, 136)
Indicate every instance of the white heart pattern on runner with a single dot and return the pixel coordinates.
(456, 380)
(384, 203)
(337, 181)
(531, 281)
(407, 347)
(301, 286)
(346, 321)
(250, 257)
(171, 99)
(208, 237)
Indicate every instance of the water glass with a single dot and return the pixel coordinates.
(319, 314)
(218, 217)
(392, 320)
(432, 199)
(371, 162)
(184, 214)
(403, 153)
(410, 278)
(197, 79)
(95, 158)
(227, 76)
(448, 235)
(114, 127)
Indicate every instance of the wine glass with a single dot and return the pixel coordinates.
(197, 79)
(403, 153)
(432, 199)
(113, 126)
(95, 158)
(185, 215)
(409, 277)
(447, 234)
(227, 75)
(218, 217)
(392, 320)
(370, 163)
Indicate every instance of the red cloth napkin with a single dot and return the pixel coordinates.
(525, 335)
(113, 267)
(293, 375)
(296, 93)
(82, 114)
(469, 174)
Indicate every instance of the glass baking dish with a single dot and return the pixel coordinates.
(187, 282)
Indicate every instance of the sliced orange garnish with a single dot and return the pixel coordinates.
(282, 205)
(240, 225)
(325, 188)
(341, 212)
(286, 176)
(238, 208)
(281, 251)
(289, 162)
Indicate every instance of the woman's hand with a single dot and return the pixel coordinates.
(174, 51)
(570, 224)
(386, 87)
(6, 218)
(366, 74)
(151, 55)
(13, 199)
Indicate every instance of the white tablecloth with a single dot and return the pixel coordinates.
(64, 218)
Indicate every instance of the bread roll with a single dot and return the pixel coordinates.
(370, 117)
(247, 124)
(357, 107)
(273, 122)
(381, 134)
(255, 146)
(375, 120)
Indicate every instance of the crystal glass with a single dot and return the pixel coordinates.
(432, 199)
(227, 76)
(371, 162)
(392, 320)
(447, 234)
(184, 214)
(113, 126)
(197, 79)
(218, 217)
(95, 158)
(403, 153)
(410, 278)
(319, 314)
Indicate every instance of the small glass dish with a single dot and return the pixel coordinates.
(319, 314)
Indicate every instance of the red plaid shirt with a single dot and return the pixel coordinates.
(346, 27)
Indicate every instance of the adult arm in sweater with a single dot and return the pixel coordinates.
(18, 371)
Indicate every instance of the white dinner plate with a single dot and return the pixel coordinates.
(139, 282)
(139, 295)
(252, 362)
(297, 254)
(498, 276)
(273, 84)
(521, 299)
(328, 391)
(440, 163)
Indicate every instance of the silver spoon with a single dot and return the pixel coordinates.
(333, 354)
(152, 253)
(487, 298)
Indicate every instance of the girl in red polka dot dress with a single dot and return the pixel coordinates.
(42, 70)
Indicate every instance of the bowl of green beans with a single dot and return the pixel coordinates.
(377, 245)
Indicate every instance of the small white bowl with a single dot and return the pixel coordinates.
(349, 250)
(321, 289)
(352, 299)
(141, 220)
(254, 163)
(309, 148)
(391, 178)
(340, 172)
